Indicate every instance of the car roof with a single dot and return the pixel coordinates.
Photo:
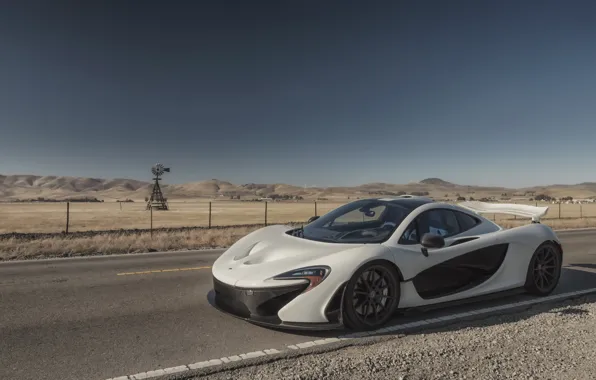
(410, 203)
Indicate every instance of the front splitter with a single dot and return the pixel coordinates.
(299, 326)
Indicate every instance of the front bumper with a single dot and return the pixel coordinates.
(260, 306)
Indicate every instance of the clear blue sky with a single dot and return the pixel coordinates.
(302, 92)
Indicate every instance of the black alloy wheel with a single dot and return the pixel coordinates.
(544, 270)
(371, 296)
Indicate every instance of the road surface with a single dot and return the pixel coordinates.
(103, 317)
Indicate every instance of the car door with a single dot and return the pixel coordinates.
(464, 262)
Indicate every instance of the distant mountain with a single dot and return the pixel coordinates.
(437, 182)
(55, 187)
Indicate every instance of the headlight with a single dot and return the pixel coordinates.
(315, 275)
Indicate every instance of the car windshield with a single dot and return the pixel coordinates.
(364, 221)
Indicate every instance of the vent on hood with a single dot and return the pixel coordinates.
(246, 253)
(256, 247)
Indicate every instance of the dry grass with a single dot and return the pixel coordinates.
(51, 217)
(63, 246)
(557, 224)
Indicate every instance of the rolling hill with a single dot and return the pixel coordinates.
(13, 187)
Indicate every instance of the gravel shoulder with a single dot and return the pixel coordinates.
(549, 341)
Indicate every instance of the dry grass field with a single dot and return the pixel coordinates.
(61, 246)
(51, 217)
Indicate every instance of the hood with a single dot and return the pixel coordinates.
(270, 251)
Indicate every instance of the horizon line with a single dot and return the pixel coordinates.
(301, 186)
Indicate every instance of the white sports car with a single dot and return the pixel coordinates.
(358, 264)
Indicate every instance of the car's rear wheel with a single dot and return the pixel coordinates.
(544, 270)
(371, 296)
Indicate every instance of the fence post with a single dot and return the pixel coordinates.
(151, 217)
(580, 211)
(67, 216)
(315, 208)
(209, 214)
(266, 212)
(559, 209)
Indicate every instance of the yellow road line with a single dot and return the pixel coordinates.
(162, 271)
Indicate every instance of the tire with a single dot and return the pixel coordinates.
(371, 296)
(544, 270)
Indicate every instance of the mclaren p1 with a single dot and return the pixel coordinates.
(357, 265)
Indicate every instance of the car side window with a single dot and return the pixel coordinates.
(466, 222)
(442, 222)
(410, 235)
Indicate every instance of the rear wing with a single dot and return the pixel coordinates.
(526, 211)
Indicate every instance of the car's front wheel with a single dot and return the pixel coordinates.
(371, 296)
(544, 270)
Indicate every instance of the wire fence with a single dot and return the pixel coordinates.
(37, 217)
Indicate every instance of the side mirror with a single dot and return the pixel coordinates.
(312, 219)
(431, 241)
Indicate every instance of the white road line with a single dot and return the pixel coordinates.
(320, 342)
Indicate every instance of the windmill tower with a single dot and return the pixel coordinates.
(157, 200)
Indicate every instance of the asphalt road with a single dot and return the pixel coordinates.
(99, 317)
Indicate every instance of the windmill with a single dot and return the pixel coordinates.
(157, 200)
